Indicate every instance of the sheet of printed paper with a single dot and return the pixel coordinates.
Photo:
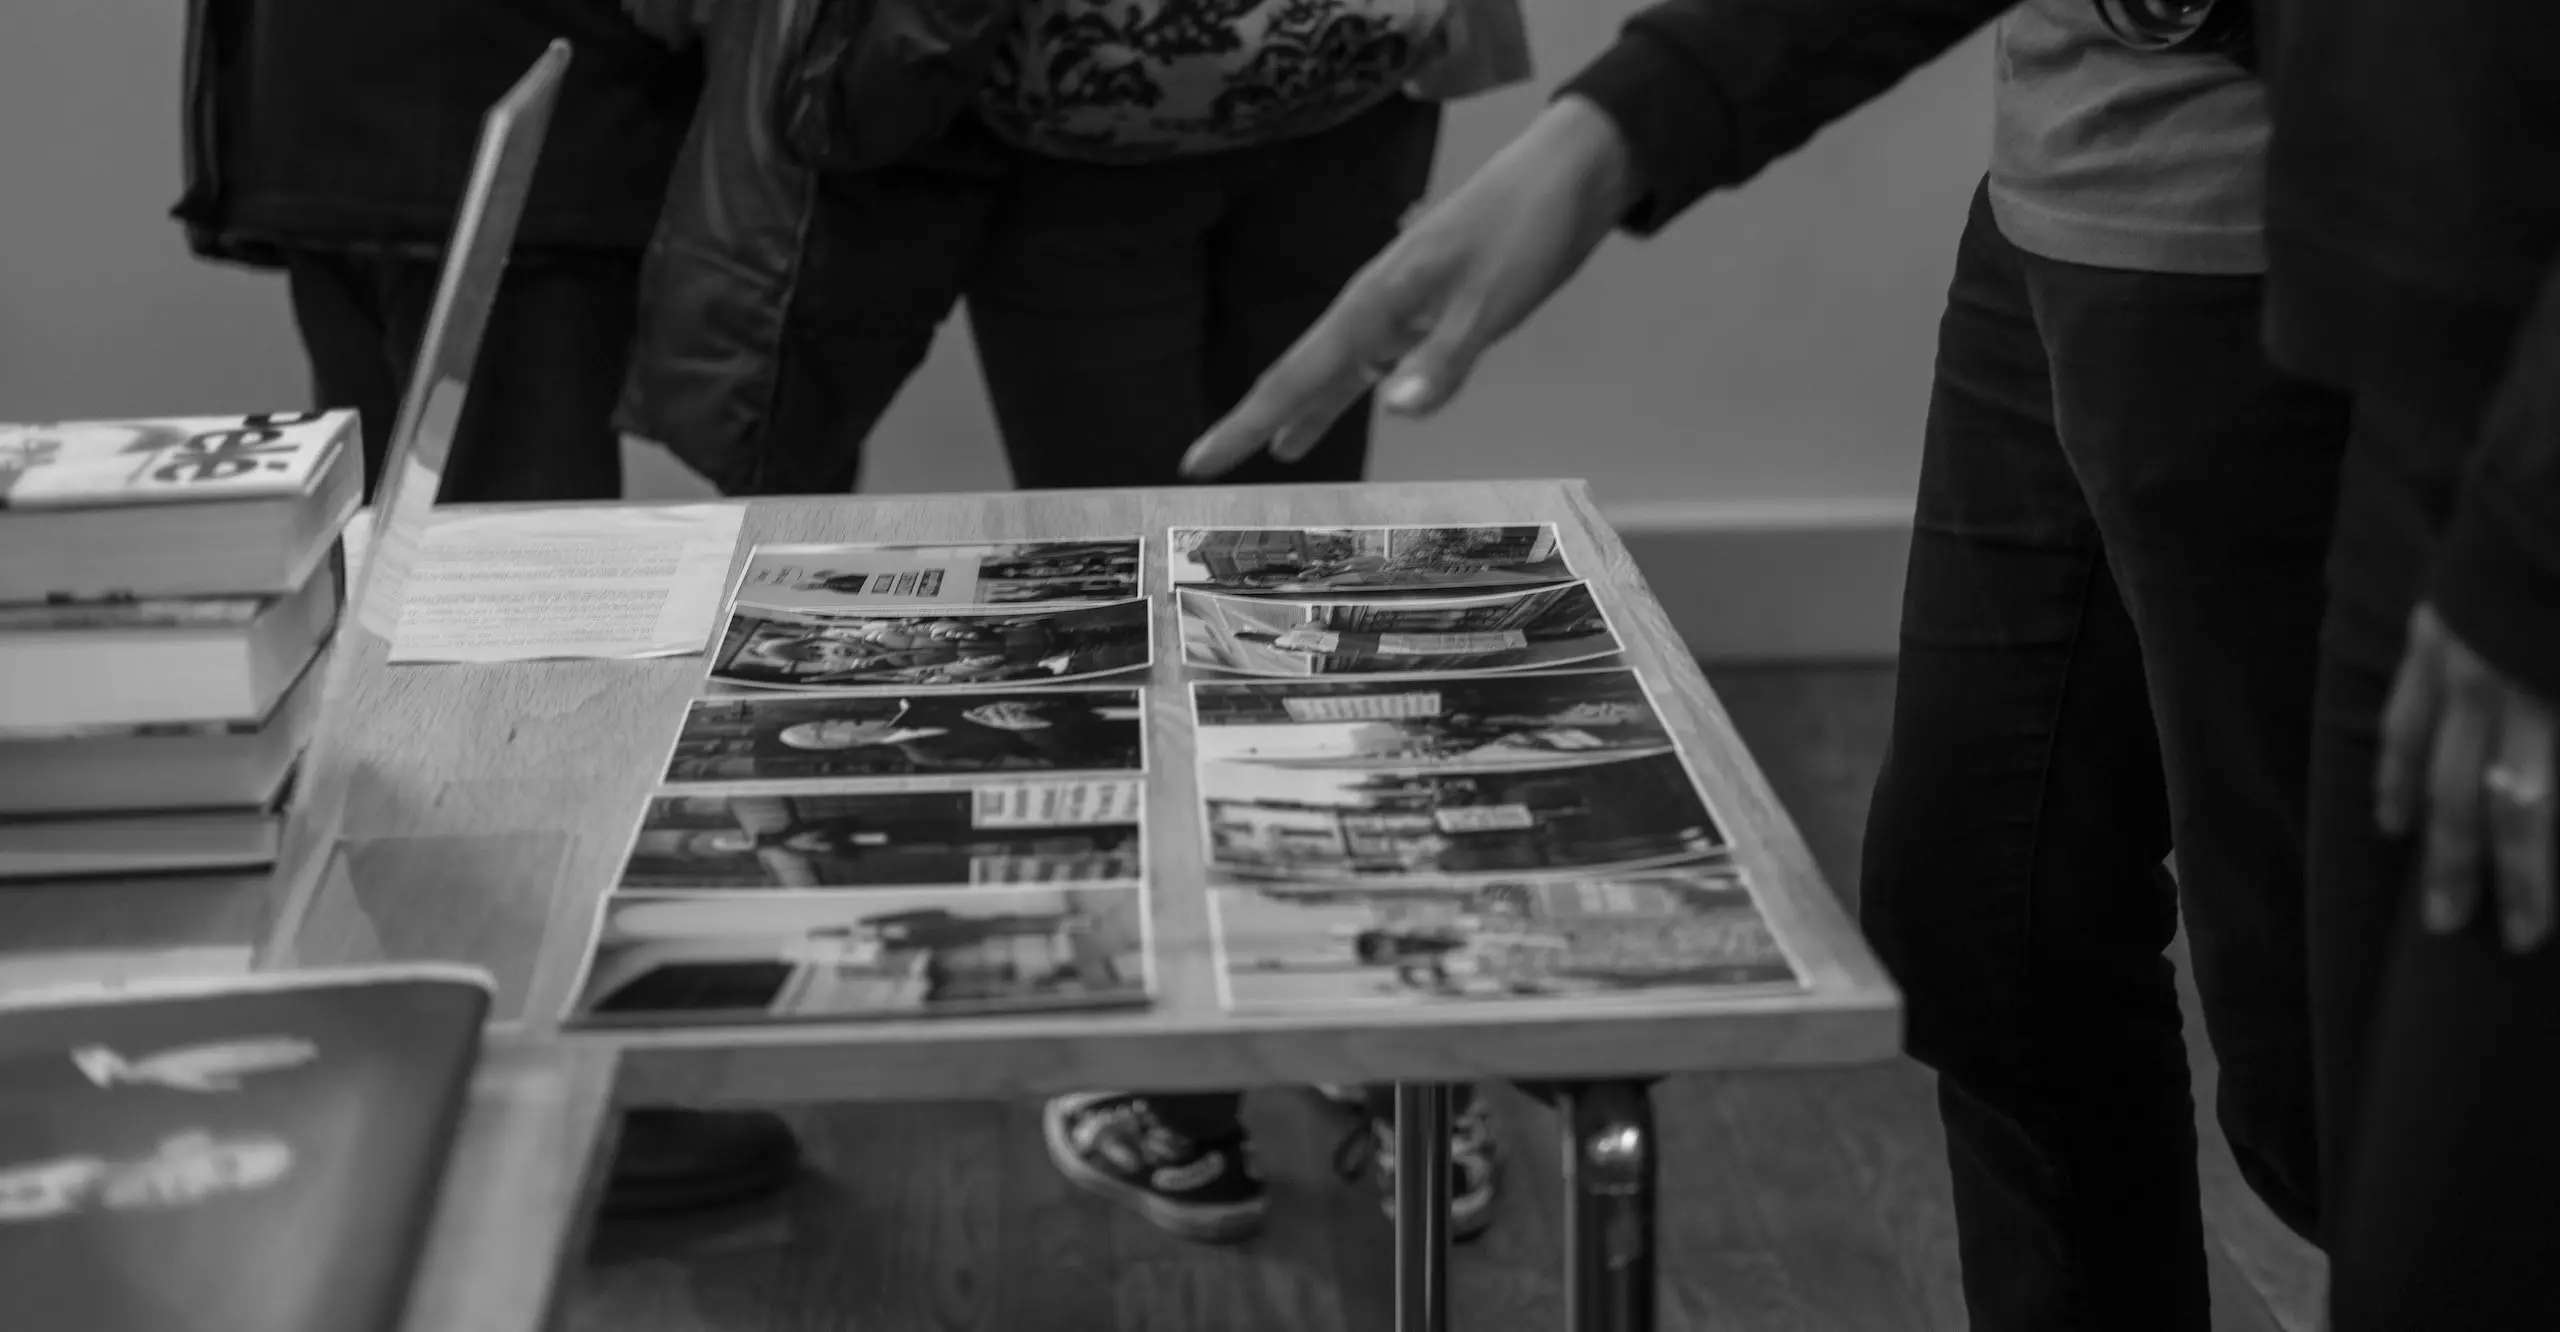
(1523, 719)
(824, 839)
(777, 649)
(832, 737)
(1692, 934)
(669, 960)
(1526, 630)
(602, 582)
(1324, 561)
(874, 578)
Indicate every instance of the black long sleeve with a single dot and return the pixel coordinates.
(2497, 580)
(1708, 92)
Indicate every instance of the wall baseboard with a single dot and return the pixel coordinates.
(1775, 581)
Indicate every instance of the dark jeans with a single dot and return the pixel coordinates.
(1121, 310)
(888, 254)
(2439, 1058)
(538, 424)
(2108, 647)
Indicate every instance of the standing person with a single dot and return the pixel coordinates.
(2416, 263)
(1190, 183)
(331, 139)
(2111, 622)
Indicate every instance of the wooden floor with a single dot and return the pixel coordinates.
(1793, 1203)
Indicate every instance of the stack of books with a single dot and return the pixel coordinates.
(168, 593)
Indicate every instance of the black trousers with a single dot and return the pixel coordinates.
(538, 425)
(2108, 648)
(1121, 310)
(2439, 1057)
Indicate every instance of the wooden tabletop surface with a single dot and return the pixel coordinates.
(490, 807)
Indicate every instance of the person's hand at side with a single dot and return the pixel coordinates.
(2468, 760)
(1458, 280)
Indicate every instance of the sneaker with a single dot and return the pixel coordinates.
(1345, 1095)
(1110, 1144)
(1475, 1171)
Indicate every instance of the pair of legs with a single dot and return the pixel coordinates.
(2439, 1057)
(2109, 641)
(1118, 311)
(537, 426)
(538, 423)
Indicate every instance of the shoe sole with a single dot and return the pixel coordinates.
(1232, 1225)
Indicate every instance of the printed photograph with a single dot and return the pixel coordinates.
(1325, 824)
(676, 961)
(1551, 626)
(775, 649)
(1290, 560)
(816, 737)
(1530, 719)
(1692, 933)
(1003, 833)
(859, 577)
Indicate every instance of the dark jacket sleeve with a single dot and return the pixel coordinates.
(2497, 580)
(1707, 92)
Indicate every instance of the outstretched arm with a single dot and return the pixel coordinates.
(1696, 95)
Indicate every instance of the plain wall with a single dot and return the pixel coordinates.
(1773, 348)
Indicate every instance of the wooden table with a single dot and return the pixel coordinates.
(490, 806)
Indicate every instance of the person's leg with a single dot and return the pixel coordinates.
(2214, 479)
(1090, 309)
(538, 425)
(887, 255)
(2439, 1077)
(1310, 214)
(338, 313)
(2013, 878)
(1183, 1162)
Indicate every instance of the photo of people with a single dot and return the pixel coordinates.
(1693, 933)
(1518, 631)
(1009, 833)
(1545, 718)
(1288, 560)
(674, 961)
(1335, 824)
(858, 577)
(815, 737)
(772, 649)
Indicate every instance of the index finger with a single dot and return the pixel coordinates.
(1330, 366)
(2521, 823)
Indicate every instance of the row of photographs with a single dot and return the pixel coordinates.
(1458, 722)
(1663, 937)
(1049, 612)
(1106, 570)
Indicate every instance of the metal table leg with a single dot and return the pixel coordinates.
(1610, 1158)
(1422, 1208)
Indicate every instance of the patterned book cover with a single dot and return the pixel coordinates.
(90, 464)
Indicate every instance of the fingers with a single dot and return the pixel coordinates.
(2521, 820)
(2409, 726)
(1431, 374)
(1301, 395)
(2452, 861)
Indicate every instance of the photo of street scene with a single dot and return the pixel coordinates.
(1006, 833)
(1325, 824)
(1669, 936)
(1551, 626)
(679, 961)
(1527, 719)
(769, 649)
(1290, 560)
(861, 577)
